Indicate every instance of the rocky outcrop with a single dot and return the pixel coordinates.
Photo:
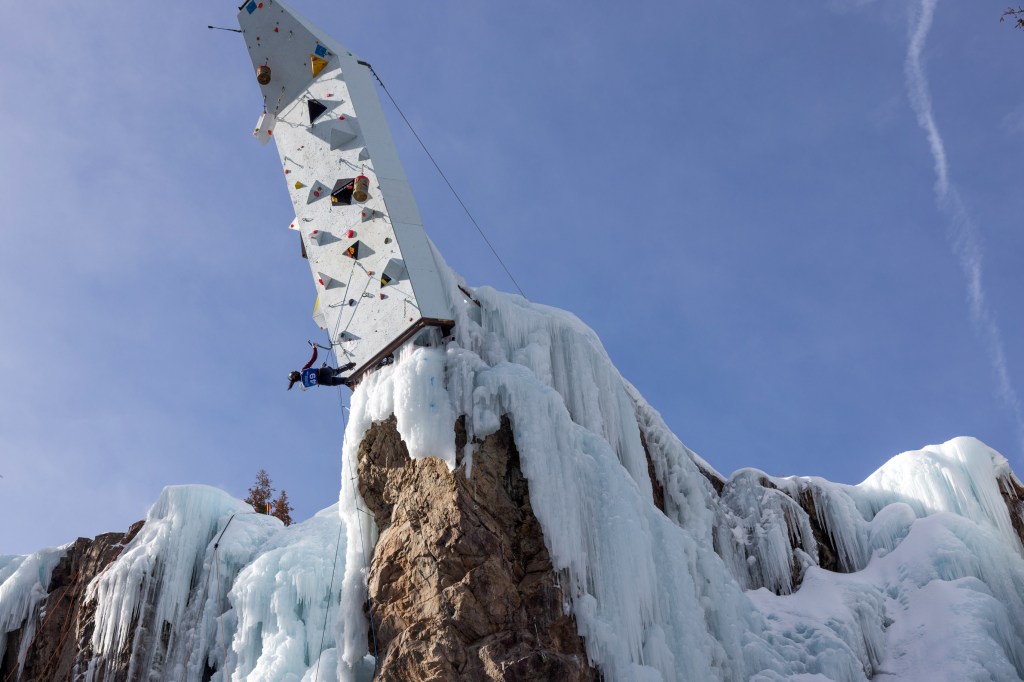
(461, 586)
(1013, 495)
(62, 643)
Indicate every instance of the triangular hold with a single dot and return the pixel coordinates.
(318, 191)
(298, 184)
(364, 154)
(369, 214)
(343, 133)
(324, 280)
(264, 129)
(356, 250)
(294, 225)
(341, 195)
(318, 314)
(321, 51)
(318, 236)
(316, 64)
(316, 109)
(393, 271)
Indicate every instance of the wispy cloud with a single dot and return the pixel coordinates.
(961, 230)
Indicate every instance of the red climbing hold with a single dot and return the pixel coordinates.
(275, 30)
(350, 234)
(341, 118)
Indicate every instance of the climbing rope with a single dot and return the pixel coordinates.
(337, 549)
(444, 177)
(330, 598)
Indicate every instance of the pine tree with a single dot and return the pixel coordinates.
(260, 494)
(283, 508)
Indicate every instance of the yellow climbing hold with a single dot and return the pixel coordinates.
(317, 64)
(298, 184)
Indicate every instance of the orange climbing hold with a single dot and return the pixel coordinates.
(317, 64)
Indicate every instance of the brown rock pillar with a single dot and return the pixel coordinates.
(461, 586)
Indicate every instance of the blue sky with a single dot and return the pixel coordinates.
(742, 200)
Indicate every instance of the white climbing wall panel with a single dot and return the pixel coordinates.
(374, 269)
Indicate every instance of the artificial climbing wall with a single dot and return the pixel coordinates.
(374, 269)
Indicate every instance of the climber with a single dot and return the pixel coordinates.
(322, 376)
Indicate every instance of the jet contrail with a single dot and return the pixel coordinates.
(961, 230)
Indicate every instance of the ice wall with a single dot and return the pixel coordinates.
(23, 583)
(207, 590)
(726, 583)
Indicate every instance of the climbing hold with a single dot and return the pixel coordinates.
(350, 233)
(341, 195)
(286, 171)
(263, 74)
(276, 30)
(342, 133)
(355, 250)
(341, 118)
(363, 154)
(387, 240)
(383, 296)
(264, 127)
(320, 50)
(361, 189)
(317, 64)
(317, 191)
(324, 280)
(317, 236)
(393, 271)
(298, 184)
(316, 109)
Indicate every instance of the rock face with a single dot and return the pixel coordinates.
(461, 586)
(61, 647)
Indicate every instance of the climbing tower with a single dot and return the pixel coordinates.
(374, 268)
